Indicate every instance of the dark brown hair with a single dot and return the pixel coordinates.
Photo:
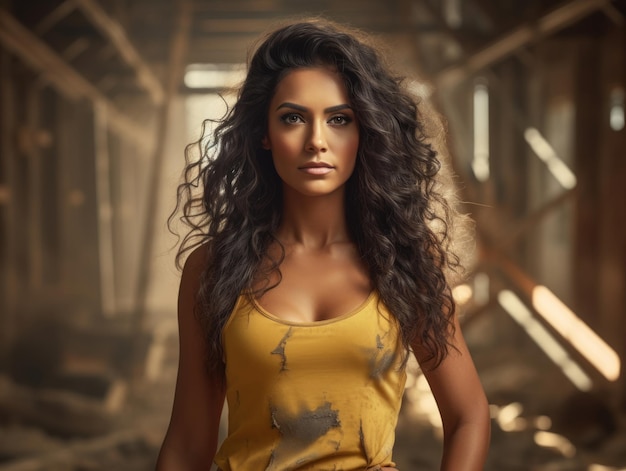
(393, 204)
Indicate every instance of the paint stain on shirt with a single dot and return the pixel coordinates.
(300, 430)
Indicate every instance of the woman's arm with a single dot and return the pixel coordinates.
(463, 407)
(191, 439)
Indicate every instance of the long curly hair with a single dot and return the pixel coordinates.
(231, 197)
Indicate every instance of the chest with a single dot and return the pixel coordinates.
(363, 343)
(315, 287)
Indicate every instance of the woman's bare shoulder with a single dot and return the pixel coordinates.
(191, 278)
(197, 259)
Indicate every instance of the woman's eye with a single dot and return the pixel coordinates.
(291, 118)
(339, 120)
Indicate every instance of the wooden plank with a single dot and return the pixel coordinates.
(8, 319)
(112, 30)
(621, 145)
(614, 14)
(512, 235)
(78, 217)
(611, 172)
(242, 25)
(56, 15)
(289, 7)
(105, 211)
(575, 335)
(519, 37)
(36, 54)
(35, 192)
(76, 48)
(588, 158)
(177, 55)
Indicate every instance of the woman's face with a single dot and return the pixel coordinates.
(312, 132)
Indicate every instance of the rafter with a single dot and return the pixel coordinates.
(56, 15)
(112, 30)
(519, 37)
(34, 52)
(614, 14)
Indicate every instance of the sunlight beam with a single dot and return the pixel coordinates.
(522, 315)
(573, 329)
(480, 163)
(548, 155)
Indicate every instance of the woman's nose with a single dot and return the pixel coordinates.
(317, 139)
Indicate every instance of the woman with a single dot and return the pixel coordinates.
(319, 261)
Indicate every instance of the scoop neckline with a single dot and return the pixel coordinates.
(264, 312)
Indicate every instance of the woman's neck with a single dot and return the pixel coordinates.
(313, 222)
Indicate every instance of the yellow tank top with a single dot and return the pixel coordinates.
(311, 396)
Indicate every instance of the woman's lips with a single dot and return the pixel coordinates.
(316, 170)
(320, 168)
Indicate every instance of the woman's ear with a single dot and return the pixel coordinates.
(265, 143)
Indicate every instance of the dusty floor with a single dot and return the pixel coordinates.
(531, 401)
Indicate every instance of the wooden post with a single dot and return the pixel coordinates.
(588, 99)
(105, 211)
(35, 196)
(611, 197)
(78, 212)
(177, 55)
(622, 236)
(8, 263)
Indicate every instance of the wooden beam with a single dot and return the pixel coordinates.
(56, 15)
(35, 194)
(530, 221)
(613, 14)
(36, 54)
(239, 25)
(105, 211)
(76, 48)
(177, 59)
(441, 22)
(620, 145)
(9, 286)
(112, 30)
(549, 23)
(589, 153)
(565, 323)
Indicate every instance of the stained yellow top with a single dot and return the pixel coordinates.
(311, 396)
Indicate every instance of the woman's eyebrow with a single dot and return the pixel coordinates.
(304, 109)
(332, 109)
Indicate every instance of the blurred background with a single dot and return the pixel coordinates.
(98, 99)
